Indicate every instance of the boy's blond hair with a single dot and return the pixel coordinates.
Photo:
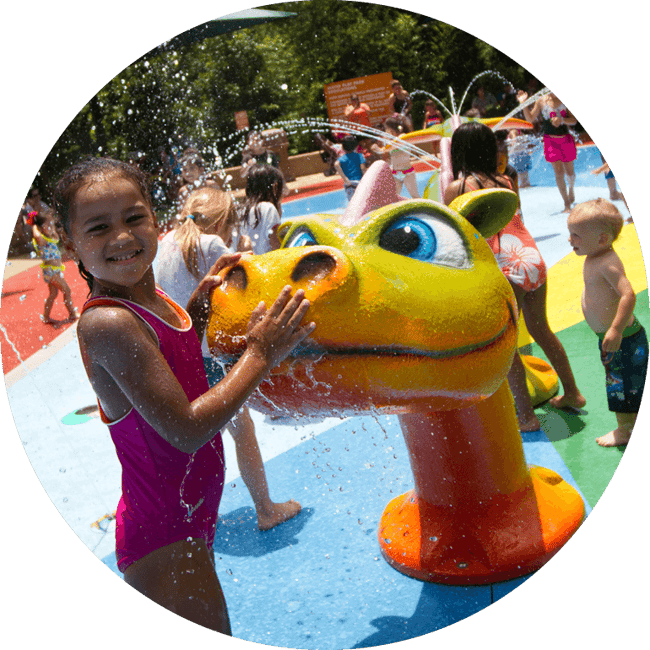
(601, 214)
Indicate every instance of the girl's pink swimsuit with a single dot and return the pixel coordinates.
(167, 495)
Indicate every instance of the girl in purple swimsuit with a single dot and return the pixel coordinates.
(142, 354)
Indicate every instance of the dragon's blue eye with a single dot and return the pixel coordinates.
(301, 237)
(427, 238)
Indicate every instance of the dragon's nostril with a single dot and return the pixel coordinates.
(236, 278)
(314, 266)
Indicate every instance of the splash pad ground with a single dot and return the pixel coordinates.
(319, 581)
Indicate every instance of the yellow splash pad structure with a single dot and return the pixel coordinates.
(414, 317)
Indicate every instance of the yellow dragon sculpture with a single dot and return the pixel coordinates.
(414, 317)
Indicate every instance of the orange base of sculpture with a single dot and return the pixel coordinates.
(507, 537)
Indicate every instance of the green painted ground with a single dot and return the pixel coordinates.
(573, 433)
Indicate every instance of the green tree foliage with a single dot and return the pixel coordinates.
(276, 72)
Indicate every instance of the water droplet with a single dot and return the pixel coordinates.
(62, 470)
(433, 539)
(462, 565)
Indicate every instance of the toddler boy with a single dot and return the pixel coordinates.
(608, 303)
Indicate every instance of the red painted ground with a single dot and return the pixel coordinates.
(23, 297)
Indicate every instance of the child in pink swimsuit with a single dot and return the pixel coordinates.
(142, 354)
(559, 146)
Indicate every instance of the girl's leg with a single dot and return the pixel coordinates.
(251, 466)
(558, 170)
(49, 302)
(62, 285)
(412, 185)
(534, 310)
(526, 417)
(614, 194)
(182, 578)
(570, 173)
(398, 183)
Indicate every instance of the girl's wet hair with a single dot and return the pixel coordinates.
(263, 183)
(83, 173)
(474, 149)
(193, 223)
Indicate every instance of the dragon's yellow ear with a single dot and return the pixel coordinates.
(487, 210)
(283, 230)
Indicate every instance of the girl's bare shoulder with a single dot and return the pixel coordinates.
(107, 328)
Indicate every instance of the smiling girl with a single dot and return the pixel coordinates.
(142, 355)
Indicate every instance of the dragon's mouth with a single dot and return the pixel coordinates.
(313, 351)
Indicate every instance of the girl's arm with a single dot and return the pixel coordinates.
(603, 168)
(614, 274)
(531, 114)
(569, 119)
(38, 236)
(452, 191)
(274, 240)
(126, 367)
(339, 170)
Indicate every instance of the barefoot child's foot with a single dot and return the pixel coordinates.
(279, 513)
(568, 401)
(615, 438)
(529, 424)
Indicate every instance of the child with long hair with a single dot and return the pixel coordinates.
(262, 207)
(559, 146)
(46, 243)
(474, 155)
(400, 160)
(142, 355)
(206, 231)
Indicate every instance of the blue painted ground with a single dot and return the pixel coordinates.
(319, 581)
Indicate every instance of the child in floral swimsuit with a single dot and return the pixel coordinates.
(46, 243)
(474, 166)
